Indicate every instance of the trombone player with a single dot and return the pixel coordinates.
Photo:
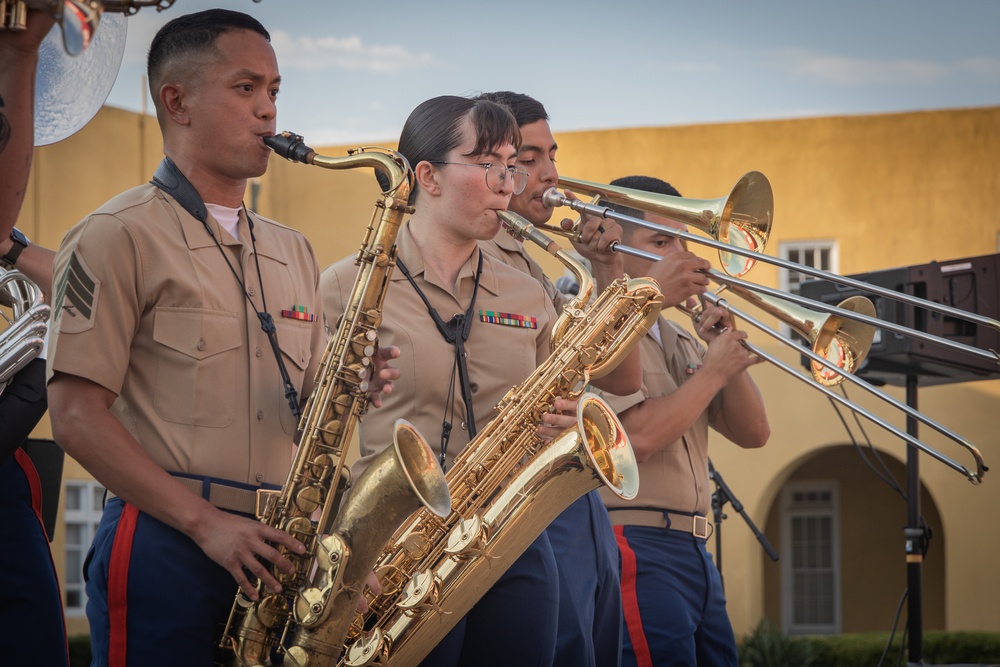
(675, 609)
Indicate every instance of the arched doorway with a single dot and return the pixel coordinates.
(839, 530)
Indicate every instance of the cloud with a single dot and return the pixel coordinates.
(985, 67)
(347, 53)
(850, 71)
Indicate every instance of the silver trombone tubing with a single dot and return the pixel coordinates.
(715, 299)
(726, 280)
(974, 477)
(553, 198)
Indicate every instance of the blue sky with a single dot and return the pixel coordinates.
(353, 71)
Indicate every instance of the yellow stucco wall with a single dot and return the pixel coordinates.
(892, 190)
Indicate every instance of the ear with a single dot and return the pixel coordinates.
(428, 178)
(172, 101)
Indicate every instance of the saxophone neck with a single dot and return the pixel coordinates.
(391, 167)
(520, 228)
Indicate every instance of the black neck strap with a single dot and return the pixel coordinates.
(455, 331)
(170, 179)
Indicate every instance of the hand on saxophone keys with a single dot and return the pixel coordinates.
(561, 417)
(384, 374)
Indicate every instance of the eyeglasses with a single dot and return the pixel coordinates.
(496, 174)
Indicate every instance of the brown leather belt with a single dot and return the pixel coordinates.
(696, 525)
(230, 498)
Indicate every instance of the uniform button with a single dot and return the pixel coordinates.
(260, 414)
(201, 344)
(259, 477)
(474, 387)
(251, 292)
(465, 426)
(259, 352)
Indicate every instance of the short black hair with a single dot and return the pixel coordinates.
(193, 33)
(526, 109)
(644, 183)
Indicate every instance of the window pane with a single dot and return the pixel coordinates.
(74, 567)
(73, 599)
(72, 497)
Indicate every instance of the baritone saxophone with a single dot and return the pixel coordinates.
(306, 624)
(508, 484)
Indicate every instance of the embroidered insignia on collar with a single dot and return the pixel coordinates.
(299, 313)
(508, 319)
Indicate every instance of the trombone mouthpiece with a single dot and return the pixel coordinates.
(290, 146)
(552, 198)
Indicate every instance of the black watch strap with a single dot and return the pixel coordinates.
(20, 243)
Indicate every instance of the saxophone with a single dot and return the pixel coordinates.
(508, 484)
(306, 624)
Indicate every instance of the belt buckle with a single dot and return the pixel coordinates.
(699, 527)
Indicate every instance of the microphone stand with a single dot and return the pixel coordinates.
(723, 494)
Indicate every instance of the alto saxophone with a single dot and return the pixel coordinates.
(307, 623)
(508, 484)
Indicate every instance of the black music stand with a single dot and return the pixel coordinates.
(723, 494)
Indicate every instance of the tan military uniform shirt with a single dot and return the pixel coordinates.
(147, 308)
(512, 253)
(499, 355)
(675, 478)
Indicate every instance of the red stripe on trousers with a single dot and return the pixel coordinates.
(630, 602)
(35, 484)
(121, 552)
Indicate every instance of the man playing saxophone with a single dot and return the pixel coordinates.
(672, 592)
(183, 323)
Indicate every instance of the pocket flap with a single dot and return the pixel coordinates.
(196, 333)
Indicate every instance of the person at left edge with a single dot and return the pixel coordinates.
(162, 381)
(32, 627)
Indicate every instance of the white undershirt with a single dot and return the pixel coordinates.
(229, 218)
(655, 332)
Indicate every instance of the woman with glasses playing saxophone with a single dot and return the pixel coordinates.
(469, 327)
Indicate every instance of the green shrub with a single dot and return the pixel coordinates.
(766, 647)
(79, 651)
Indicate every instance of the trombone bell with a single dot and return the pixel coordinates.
(843, 342)
(742, 218)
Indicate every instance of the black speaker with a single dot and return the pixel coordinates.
(971, 284)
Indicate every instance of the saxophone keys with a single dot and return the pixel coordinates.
(370, 649)
(272, 611)
(310, 604)
(421, 592)
(467, 537)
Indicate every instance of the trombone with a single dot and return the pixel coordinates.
(837, 349)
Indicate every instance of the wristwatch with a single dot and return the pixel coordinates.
(20, 243)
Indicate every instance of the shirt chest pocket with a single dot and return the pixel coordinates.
(196, 366)
(294, 341)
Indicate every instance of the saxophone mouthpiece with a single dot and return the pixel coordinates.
(291, 147)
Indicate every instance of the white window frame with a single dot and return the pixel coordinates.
(88, 517)
(786, 250)
(789, 510)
